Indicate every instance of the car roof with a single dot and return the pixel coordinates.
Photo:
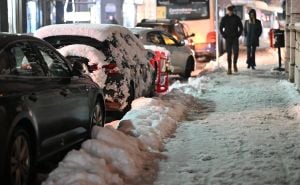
(6, 38)
(158, 22)
(142, 29)
(97, 31)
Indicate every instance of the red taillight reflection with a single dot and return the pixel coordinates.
(111, 69)
(93, 67)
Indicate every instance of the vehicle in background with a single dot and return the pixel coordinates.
(159, 59)
(76, 11)
(181, 56)
(198, 16)
(172, 26)
(46, 106)
(122, 59)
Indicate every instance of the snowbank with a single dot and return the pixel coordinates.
(124, 152)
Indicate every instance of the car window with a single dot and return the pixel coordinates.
(179, 29)
(170, 41)
(4, 64)
(154, 38)
(24, 60)
(56, 65)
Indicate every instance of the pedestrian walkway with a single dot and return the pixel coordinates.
(242, 131)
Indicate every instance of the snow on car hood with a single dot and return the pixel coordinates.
(93, 55)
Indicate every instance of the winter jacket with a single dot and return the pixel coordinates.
(231, 26)
(252, 31)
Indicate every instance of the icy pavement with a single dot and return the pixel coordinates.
(247, 133)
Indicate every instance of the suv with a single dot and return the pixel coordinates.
(172, 26)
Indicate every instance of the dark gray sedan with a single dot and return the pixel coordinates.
(46, 106)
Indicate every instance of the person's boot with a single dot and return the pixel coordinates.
(235, 68)
(229, 71)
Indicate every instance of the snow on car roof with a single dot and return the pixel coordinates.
(96, 31)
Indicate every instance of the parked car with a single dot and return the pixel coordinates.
(173, 26)
(122, 58)
(181, 56)
(46, 106)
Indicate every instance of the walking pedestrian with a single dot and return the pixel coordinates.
(252, 31)
(231, 28)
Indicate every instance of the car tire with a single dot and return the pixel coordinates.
(20, 158)
(189, 67)
(97, 117)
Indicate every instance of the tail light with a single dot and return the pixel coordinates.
(93, 67)
(165, 62)
(111, 69)
(157, 55)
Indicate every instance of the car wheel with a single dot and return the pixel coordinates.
(190, 64)
(20, 158)
(97, 116)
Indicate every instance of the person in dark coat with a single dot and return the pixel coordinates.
(231, 28)
(252, 31)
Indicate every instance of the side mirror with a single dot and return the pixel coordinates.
(181, 43)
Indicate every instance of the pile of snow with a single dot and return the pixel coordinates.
(194, 86)
(125, 151)
(293, 95)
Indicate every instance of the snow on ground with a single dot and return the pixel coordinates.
(124, 152)
(244, 131)
(213, 129)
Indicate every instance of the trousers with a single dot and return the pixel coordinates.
(251, 55)
(232, 45)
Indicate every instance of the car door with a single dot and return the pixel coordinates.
(73, 110)
(42, 99)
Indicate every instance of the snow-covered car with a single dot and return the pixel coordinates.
(125, 71)
(181, 56)
(46, 106)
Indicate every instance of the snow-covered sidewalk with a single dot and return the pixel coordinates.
(247, 132)
(214, 129)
